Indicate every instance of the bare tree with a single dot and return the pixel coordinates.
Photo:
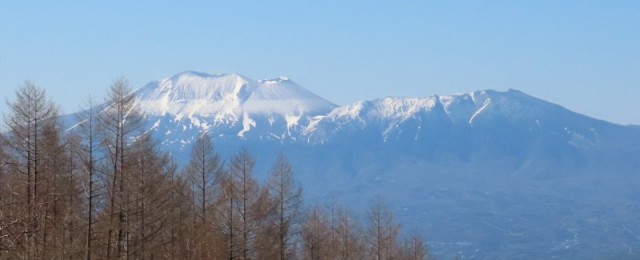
(287, 198)
(61, 204)
(30, 113)
(347, 235)
(315, 235)
(148, 202)
(180, 227)
(86, 151)
(414, 248)
(12, 214)
(242, 174)
(251, 204)
(382, 231)
(119, 122)
(227, 216)
(204, 173)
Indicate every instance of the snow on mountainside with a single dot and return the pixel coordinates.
(193, 93)
(509, 132)
(399, 116)
(512, 129)
(479, 127)
(231, 105)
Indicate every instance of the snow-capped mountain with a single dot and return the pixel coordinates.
(395, 118)
(226, 97)
(229, 106)
(482, 128)
(487, 174)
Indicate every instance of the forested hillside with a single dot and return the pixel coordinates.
(105, 190)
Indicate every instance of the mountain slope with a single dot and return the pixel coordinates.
(483, 128)
(508, 132)
(487, 174)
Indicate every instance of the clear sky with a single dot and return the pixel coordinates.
(584, 55)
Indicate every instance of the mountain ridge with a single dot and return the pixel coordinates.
(226, 98)
(476, 126)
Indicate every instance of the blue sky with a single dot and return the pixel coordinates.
(584, 55)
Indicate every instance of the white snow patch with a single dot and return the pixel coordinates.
(247, 123)
(292, 121)
(486, 104)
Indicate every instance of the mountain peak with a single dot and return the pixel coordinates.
(275, 80)
(196, 93)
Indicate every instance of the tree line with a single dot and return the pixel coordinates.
(104, 190)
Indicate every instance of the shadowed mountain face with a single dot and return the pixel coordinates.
(486, 174)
